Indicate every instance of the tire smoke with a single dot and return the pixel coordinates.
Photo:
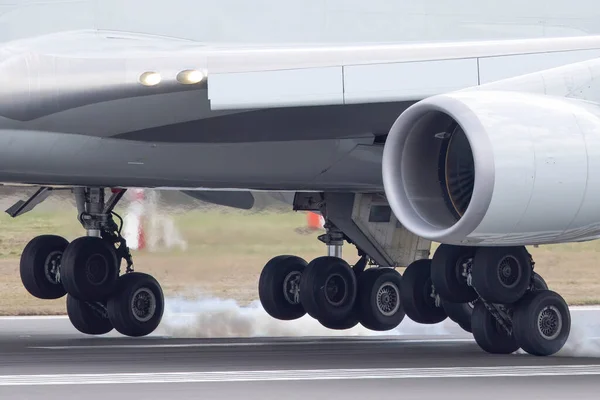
(210, 317)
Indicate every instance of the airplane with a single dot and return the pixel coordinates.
(473, 125)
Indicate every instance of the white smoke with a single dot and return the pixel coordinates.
(210, 317)
(583, 340)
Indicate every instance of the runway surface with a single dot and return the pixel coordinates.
(45, 358)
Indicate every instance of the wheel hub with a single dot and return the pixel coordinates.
(388, 299)
(291, 287)
(143, 304)
(336, 289)
(52, 267)
(96, 269)
(509, 271)
(549, 322)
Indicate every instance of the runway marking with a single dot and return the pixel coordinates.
(298, 375)
(246, 344)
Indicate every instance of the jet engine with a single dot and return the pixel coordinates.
(496, 168)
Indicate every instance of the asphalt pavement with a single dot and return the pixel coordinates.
(45, 358)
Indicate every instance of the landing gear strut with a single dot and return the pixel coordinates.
(88, 269)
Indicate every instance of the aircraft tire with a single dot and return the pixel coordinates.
(542, 323)
(460, 313)
(501, 275)
(538, 282)
(378, 302)
(40, 266)
(86, 317)
(415, 294)
(278, 287)
(488, 334)
(347, 323)
(328, 289)
(136, 306)
(90, 268)
(447, 273)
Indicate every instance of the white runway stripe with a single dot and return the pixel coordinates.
(296, 375)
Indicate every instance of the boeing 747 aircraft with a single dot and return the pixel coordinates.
(475, 125)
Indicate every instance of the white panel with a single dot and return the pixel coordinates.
(407, 81)
(501, 67)
(313, 86)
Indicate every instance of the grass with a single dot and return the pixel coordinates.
(227, 249)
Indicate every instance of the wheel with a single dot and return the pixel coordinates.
(489, 334)
(378, 301)
(90, 269)
(347, 323)
(328, 289)
(542, 323)
(87, 318)
(501, 275)
(460, 313)
(415, 294)
(40, 266)
(538, 282)
(279, 287)
(447, 273)
(136, 307)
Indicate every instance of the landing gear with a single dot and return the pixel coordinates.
(494, 293)
(279, 287)
(421, 303)
(87, 317)
(330, 290)
(542, 323)
(136, 307)
(379, 302)
(40, 266)
(88, 270)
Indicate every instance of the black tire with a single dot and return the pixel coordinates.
(378, 303)
(121, 312)
(501, 275)
(277, 299)
(86, 317)
(460, 313)
(542, 323)
(488, 334)
(90, 269)
(347, 323)
(40, 266)
(317, 289)
(415, 294)
(447, 273)
(538, 282)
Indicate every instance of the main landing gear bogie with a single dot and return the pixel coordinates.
(87, 270)
(331, 291)
(513, 307)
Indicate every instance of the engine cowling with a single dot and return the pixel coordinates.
(496, 168)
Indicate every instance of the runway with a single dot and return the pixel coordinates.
(45, 358)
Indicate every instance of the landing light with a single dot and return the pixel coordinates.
(190, 77)
(150, 78)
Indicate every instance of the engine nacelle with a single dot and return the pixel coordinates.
(496, 168)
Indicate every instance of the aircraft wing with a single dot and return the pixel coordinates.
(54, 73)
